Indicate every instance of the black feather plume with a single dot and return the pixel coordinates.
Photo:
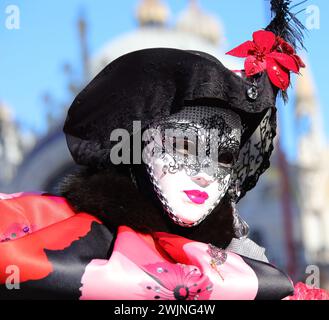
(285, 24)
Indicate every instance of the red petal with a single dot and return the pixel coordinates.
(264, 40)
(289, 62)
(242, 50)
(299, 61)
(285, 46)
(277, 74)
(254, 66)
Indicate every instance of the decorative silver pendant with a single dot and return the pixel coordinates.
(218, 255)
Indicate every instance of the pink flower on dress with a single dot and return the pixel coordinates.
(177, 282)
(305, 292)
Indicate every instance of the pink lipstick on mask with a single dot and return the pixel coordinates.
(197, 196)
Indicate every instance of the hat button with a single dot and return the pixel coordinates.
(252, 93)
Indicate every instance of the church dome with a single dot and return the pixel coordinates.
(152, 37)
(194, 20)
(195, 30)
(152, 12)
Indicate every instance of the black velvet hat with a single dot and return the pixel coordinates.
(151, 84)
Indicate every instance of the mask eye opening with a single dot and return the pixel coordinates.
(226, 159)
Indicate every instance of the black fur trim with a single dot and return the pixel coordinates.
(115, 200)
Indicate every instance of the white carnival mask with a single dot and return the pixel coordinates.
(190, 157)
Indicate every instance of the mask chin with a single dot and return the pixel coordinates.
(187, 200)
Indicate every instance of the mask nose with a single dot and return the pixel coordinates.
(201, 181)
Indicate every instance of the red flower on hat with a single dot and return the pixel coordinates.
(271, 53)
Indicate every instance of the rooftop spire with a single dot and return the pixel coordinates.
(152, 12)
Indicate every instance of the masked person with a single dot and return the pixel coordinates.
(165, 227)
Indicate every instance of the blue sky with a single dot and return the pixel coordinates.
(32, 58)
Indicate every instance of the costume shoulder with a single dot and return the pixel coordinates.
(40, 234)
(25, 213)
